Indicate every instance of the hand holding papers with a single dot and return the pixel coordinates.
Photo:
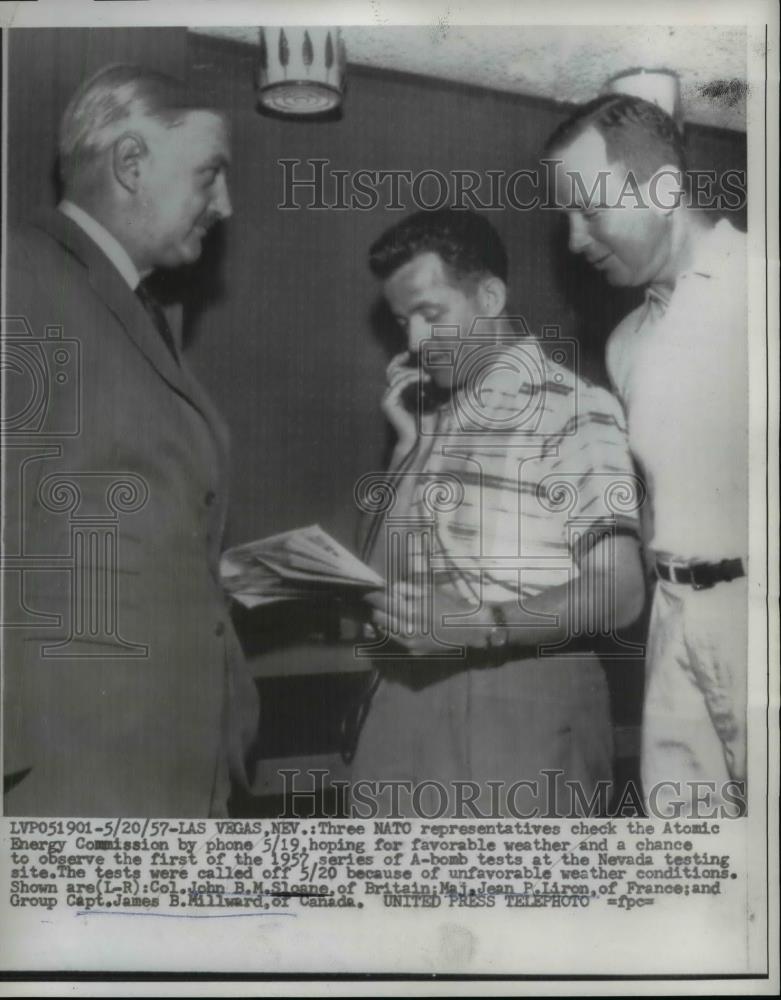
(294, 565)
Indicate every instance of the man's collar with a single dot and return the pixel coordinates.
(712, 246)
(109, 244)
(658, 294)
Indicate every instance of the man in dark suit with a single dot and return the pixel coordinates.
(126, 693)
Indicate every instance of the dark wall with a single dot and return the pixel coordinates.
(281, 303)
(295, 346)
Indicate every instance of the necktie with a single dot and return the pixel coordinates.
(157, 316)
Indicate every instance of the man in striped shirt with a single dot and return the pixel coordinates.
(508, 537)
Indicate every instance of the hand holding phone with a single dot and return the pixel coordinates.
(400, 400)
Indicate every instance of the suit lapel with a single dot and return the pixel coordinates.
(109, 285)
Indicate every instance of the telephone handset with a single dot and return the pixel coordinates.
(424, 396)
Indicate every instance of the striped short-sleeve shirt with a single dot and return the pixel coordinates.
(527, 467)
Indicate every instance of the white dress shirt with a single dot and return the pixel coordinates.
(109, 244)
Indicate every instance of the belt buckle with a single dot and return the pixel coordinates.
(700, 584)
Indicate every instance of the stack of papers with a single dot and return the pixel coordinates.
(294, 565)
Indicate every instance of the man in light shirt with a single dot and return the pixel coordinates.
(126, 693)
(679, 364)
(502, 519)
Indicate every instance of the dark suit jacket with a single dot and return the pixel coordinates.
(126, 691)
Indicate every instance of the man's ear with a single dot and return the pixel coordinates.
(127, 153)
(492, 295)
(665, 189)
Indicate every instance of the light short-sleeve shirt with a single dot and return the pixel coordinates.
(679, 364)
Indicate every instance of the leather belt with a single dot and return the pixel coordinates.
(700, 575)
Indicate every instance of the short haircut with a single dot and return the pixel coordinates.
(103, 107)
(636, 132)
(467, 243)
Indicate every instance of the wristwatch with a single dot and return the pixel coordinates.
(498, 634)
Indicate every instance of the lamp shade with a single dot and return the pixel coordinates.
(300, 71)
(658, 86)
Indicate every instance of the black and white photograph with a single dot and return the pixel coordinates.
(389, 492)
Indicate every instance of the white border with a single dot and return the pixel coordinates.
(765, 358)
